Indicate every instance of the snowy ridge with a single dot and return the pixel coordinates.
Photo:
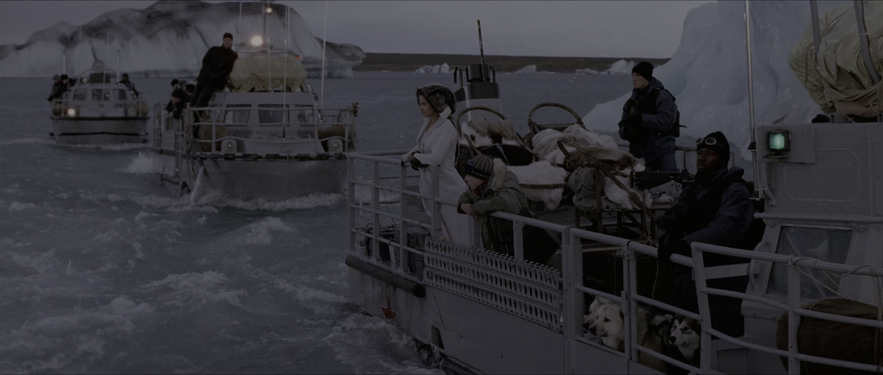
(708, 72)
(168, 38)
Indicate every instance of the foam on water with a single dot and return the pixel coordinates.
(194, 289)
(141, 164)
(310, 201)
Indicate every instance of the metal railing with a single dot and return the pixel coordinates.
(573, 287)
(294, 126)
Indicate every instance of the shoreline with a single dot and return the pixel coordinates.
(409, 62)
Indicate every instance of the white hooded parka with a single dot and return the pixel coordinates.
(438, 146)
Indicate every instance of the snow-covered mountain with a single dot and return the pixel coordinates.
(708, 72)
(169, 38)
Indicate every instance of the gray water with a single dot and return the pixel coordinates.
(104, 270)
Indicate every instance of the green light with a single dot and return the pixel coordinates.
(778, 140)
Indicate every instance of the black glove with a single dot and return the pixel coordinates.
(665, 251)
(415, 164)
(634, 120)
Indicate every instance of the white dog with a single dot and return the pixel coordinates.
(606, 321)
(685, 337)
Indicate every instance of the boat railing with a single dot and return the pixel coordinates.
(387, 180)
(797, 269)
(280, 125)
(382, 173)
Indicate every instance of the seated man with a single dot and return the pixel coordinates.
(492, 188)
(715, 209)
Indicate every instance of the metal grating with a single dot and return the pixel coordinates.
(524, 289)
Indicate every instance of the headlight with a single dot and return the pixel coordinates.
(779, 140)
(71, 112)
(257, 41)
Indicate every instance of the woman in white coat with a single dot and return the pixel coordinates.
(437, 145)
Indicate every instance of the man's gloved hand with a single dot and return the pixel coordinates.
(665, 251)
(416, 164)
(634, 120)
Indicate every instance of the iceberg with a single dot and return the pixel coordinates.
(169, 38)
(618, 67)
(708, 72)
(443, 68)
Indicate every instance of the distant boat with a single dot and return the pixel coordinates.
(98, 111)
(267, 137)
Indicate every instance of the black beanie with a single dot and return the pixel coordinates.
(721, 146)
(480, 167)
(228, 35)
(644, 69)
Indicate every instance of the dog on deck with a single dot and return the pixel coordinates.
(685, 338)
(606, 321)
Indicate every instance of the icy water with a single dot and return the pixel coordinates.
(104, 270)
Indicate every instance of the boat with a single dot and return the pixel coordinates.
(99, 111)
(265, 137)
(475, 311)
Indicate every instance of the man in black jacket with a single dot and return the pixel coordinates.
(216, 66)
(716, 209)
(649, 120)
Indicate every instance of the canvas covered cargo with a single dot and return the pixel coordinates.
(255, 72)
(840, 81)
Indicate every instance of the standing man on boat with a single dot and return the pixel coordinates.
(649, 120)
(56, 80)
(715, 209)
(129, 84)
(216, 66)
(59, 87)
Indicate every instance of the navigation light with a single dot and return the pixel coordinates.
(779, 140)
(71, 112)
(257, 41)
(269, 10)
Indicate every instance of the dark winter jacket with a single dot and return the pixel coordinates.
(58, 90)
(651, 136)
(216, 66)
(695, 217)
(502, 193)
(131, 86)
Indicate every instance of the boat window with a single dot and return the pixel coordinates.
(99, 94)
(80, 94)
(278, 117)
(237, 116)
(826, 244)
(121, 94)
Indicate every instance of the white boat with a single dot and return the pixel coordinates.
(267, 137)
(483, 312)
(98, 110)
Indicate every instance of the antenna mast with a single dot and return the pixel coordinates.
(480, 43)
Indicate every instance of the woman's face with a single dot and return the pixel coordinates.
(425, 108)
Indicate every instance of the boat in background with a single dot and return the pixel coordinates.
(99, 111)
(265, 137)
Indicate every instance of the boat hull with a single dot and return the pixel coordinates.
(269, 179)
(99, 131)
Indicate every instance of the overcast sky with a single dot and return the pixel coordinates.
(622, 28)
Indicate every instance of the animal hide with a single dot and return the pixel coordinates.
(541, 173)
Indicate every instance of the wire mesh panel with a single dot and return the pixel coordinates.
(524, 289)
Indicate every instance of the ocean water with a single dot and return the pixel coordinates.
(104, 270)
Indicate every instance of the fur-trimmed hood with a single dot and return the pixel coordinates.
(501, 176)
(439, 97)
